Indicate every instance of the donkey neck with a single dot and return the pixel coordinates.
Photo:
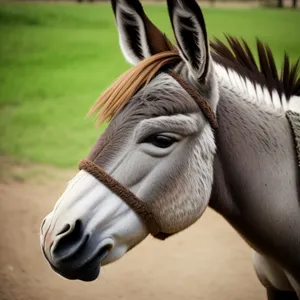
(256, 185)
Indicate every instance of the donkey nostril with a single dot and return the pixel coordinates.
(65, 229)
(72, 239)
(78, 226)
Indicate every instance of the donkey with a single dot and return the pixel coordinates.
(191, 126)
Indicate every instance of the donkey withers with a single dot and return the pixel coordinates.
(162, 160)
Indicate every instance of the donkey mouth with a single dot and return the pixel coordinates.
(87, 272)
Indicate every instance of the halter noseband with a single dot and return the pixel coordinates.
(139, 206)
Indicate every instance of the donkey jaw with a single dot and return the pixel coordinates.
(89, 227)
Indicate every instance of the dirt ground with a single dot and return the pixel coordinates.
(207, 261)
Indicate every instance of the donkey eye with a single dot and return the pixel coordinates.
(161, 141)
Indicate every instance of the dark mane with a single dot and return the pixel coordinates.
(238, 56)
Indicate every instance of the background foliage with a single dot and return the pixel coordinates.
(55, 59)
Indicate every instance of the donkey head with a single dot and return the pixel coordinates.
(158, 144)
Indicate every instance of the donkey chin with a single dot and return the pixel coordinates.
(87, 270)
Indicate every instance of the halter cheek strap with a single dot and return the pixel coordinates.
(203, 105)
(140, 207)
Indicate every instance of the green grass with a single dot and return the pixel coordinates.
(55, 59)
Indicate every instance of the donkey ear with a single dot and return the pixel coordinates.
(190, 33)
(139, 37)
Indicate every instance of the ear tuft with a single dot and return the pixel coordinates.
(191, 36)
(139, 37)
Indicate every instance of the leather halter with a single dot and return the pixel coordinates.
(139, 206)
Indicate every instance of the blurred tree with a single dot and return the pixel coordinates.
(280, 3)
(294, 3)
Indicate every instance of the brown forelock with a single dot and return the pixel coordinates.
(238, 56)
(127, 85)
